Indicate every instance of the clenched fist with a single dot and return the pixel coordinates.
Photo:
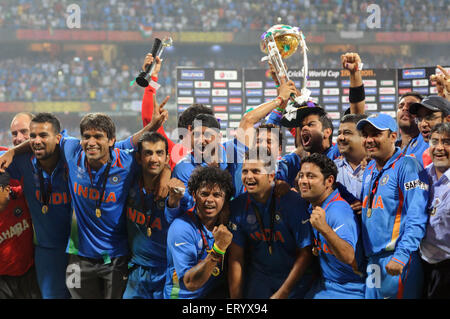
(351, 61)
(318, 220)
(222, 237)
(176, 192)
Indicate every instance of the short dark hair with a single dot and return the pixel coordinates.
(255, 154)
(152, 137)
(206, 120)
(269, 127)
(441, 128)
(210, 176)
(48, 118)
(353, 118)
(98, 121)
(412, 93)
(325, 120)
(187, 117)
(326, 165)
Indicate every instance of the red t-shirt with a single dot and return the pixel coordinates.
(176, 151)
(16, 236)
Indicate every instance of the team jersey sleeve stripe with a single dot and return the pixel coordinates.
(175, 291)
(397, 222)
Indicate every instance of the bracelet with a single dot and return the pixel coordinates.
(357, 94)
(218, 250)
(281, 100)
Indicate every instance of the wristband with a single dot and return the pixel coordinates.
(218, 250)
(154, 85)
(281, 100)
(357, 94)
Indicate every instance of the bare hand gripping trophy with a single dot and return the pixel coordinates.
(158, 48)
(280, 42)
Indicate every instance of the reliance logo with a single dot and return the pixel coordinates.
(414, 73)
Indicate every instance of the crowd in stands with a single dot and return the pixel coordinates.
(226, 15)
(40, 78)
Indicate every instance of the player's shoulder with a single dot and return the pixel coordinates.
(238, 203)
(291, 197)
(409, 162)
(340, 206)
(181, 225)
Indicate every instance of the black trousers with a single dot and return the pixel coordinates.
(96, 280)
(20, 287)
(437, 280)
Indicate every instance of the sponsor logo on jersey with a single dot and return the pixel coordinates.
(415, 184)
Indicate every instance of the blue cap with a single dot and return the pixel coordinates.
(380, 121)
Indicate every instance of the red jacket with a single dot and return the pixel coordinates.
(179, 151)
(16, 236)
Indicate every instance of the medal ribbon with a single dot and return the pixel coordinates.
(260, 222)
(374, 187)
(144, 205)
(45, 192)
(105, 176)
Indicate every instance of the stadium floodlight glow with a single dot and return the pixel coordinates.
(216, 48)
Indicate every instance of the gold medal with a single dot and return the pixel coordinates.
(315, 251)
(149, 231)
(44, 209)
(369, 212)
(216, 271)
(98, 213)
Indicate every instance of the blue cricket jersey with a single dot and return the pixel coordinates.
(185, 249)
(289, 232)
(147, 251)
(92, 236)
(416, 147)
(52, 229)
(231, 159)
(340, 217)
(398, 216)
(288, 168)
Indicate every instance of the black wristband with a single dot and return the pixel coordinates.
(357, 94)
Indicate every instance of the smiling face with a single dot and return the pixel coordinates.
(312, 184)
(209, 201)
(20, 129)
(153, 157)
(349, 139)
(96, 145)
(205, 142)
(43, 140)
(440, 151)
(268, 139)
(256, 177)
(379, 145)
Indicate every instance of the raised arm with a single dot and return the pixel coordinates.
(254, 116)
(442, 83)
(352, 63)
(198, 275)
(7, 158)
